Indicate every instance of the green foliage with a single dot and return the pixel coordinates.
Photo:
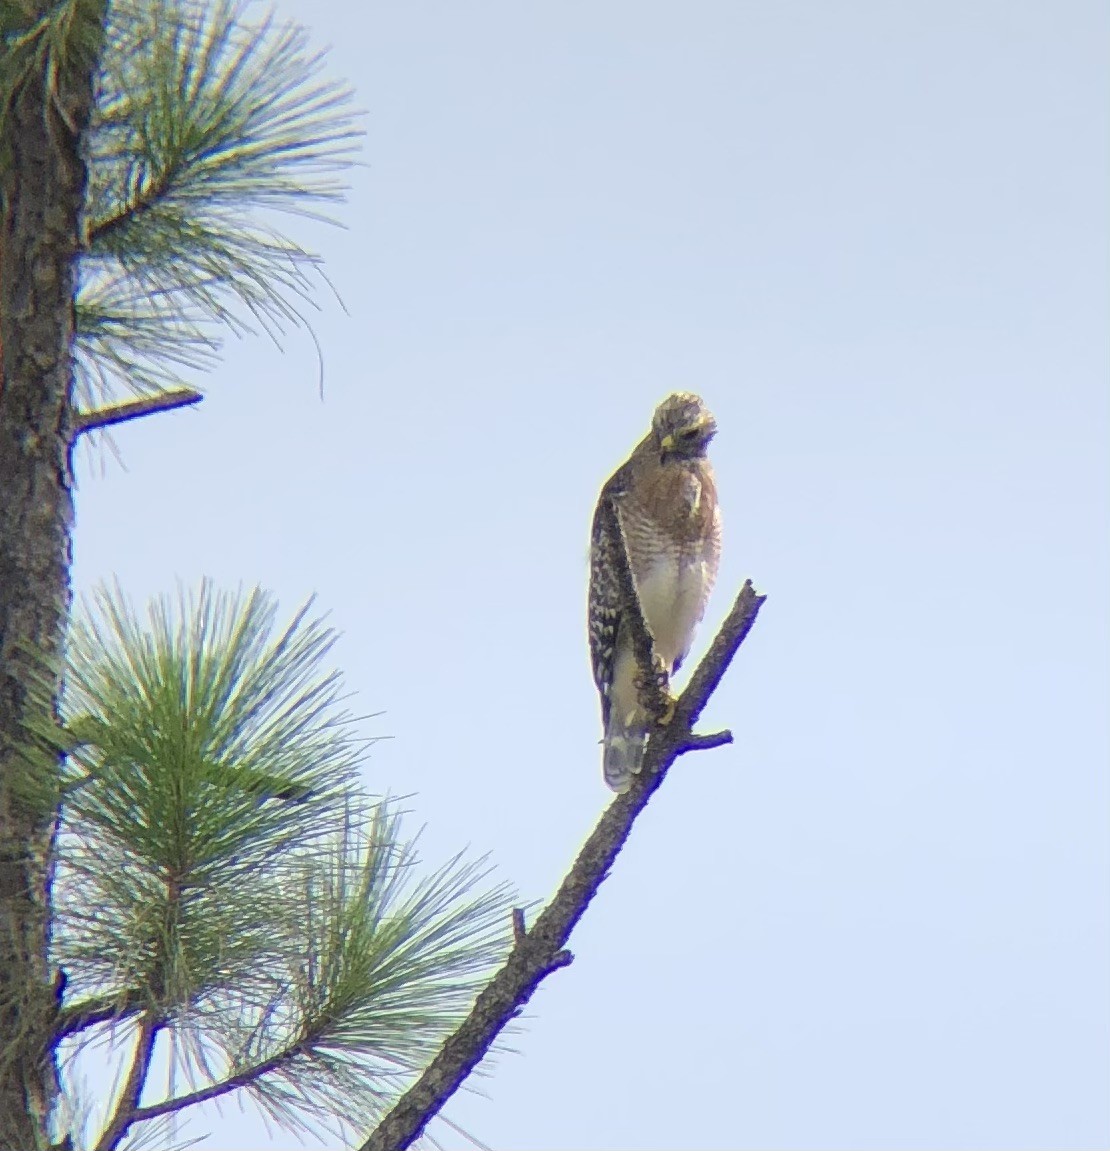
(41, 40)
(188, 729)
(207, 126)
(387, 964)
(221, 871)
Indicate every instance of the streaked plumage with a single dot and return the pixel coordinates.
(667, 501)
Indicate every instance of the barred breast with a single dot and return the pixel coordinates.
(672, 526)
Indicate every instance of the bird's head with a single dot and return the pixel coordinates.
(683, 426)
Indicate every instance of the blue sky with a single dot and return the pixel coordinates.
(875, 238)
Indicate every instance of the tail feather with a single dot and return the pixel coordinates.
(622, 757)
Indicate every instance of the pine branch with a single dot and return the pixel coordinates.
(320, 1038)
(148, 197)
(134, 410)
(209, 126)
(311, 965)
(539, 952)
(245, 1078)
(127, 1105)
(86, 1013)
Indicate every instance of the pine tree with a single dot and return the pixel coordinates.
(189, 863)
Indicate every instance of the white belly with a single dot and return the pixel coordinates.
(673, 595)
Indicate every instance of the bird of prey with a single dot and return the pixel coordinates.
(666, 502)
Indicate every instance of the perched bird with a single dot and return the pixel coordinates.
(666, 501)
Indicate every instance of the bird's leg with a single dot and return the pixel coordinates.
(667, 713)
(657, 700)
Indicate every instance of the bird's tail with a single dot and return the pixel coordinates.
(623, 756)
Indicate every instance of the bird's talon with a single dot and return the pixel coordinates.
(666, 714)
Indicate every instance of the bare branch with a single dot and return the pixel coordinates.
(539, 952)
(127, 1105)
(133, 410)
(705, 742)
(708, 674)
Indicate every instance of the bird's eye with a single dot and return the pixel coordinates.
(689, 433)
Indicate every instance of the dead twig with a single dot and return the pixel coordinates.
(133, 410)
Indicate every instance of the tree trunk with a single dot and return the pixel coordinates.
(42, 186)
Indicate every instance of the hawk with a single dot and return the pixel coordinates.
(666, 502)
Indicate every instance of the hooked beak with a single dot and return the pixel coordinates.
(705, 424)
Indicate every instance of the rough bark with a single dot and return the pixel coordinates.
(42, 183)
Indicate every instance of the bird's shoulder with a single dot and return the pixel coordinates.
(613, 492)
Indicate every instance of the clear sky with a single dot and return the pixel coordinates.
(875, 237)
